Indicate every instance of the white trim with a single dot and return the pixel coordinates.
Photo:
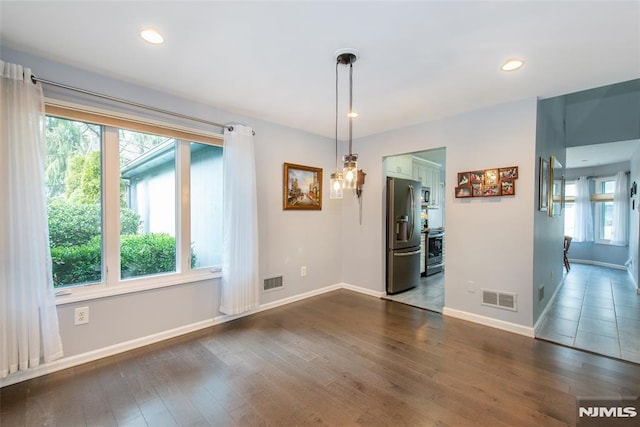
(101, 290)
(132, 117)
(597, 263)
(69, 362)
(489, 321)
(364, 291)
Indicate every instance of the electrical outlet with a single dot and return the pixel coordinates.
(303, 271)
(81, 316)
(471, 287)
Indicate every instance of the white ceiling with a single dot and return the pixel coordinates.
(419, 60)
(601, 154)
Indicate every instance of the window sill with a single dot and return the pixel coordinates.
(101, 290)
(608, 243)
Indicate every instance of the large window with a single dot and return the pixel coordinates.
(602, 202)
(125, 204)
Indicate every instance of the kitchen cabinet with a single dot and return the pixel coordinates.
(399, 166)
(428, 173)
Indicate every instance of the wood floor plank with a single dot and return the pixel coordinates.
(337, 359)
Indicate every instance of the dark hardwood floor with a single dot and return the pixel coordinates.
(336, 359)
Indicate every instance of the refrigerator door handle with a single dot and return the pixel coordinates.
(413, 208)
(407, 253)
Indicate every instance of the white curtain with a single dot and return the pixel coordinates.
(28, 318)
(240, 282)
(583, 223)
(620, 225)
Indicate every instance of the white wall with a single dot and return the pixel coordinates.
(488, 241)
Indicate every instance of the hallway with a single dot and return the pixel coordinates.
(596, 309)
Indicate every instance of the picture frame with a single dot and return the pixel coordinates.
(508, 173)
(543, 184)
(463, 191)
(556, 188)
(492, 182)
(302, 187)
(476, 189)
(463, 179)
(476, 177)
(492, 190)
(508, 187)
(491, 177)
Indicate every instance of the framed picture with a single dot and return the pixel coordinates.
(491, 190)
(463, 179)
(509, 173)
(508, 187)
(491, 177)
(476, 189)
(302, 187)
(543, 185)
(464, 191)
(476, 177)
(556, 187)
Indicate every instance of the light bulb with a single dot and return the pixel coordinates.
(350, 175)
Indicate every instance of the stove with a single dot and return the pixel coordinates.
(435, 251)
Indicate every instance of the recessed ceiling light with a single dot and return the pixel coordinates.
(512, 64)
(152, 36)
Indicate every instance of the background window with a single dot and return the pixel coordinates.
(154, 223)
(604, 208)
(73, 179)
(206, 204)
(569, 213)
(148, 198)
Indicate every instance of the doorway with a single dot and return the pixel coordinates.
(428, 167)
(597, 307)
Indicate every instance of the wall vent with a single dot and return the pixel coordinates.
(273, 283)
(541, 293)
(506, 300)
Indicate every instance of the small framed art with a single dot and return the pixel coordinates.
(302, 187)
(463, 191)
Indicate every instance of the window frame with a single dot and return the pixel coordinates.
(112, 283)
(599, 198)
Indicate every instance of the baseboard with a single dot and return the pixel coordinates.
(597, 263)
(547, 308)
(71, 361)
(489, 321)
(364, 291)
(79, 359)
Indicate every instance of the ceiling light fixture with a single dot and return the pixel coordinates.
(152, 36)
(350, 160)
(512, 64)
(336, 177)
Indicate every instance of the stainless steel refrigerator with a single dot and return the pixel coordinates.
(403, 234)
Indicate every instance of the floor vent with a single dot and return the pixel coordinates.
(506, 300)
(273, 283)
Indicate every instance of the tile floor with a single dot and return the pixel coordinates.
(428, 295)
(596, 309)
